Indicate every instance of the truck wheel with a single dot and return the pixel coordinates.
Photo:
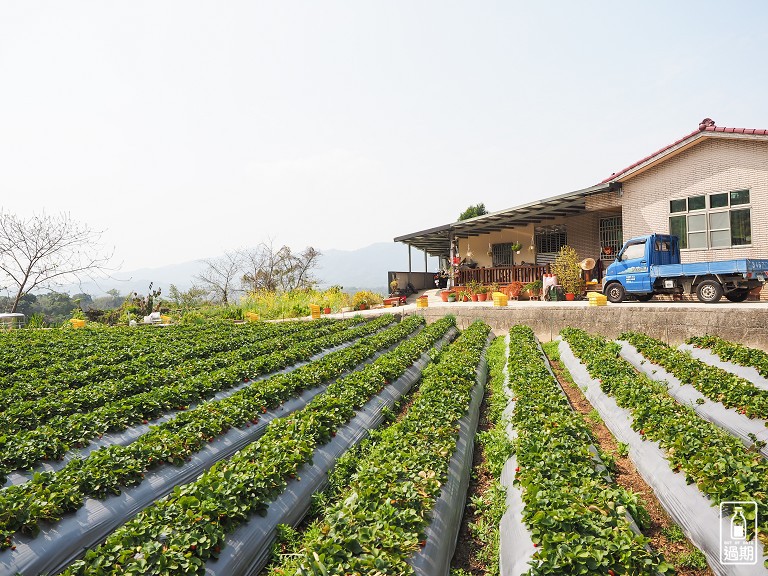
(737, 295)
(644, 297)
(615, 292)
(709, 291)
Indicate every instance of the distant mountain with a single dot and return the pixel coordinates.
(362, 269)
(367, 267)
(180, 275)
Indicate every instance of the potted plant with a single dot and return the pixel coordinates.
(393, 287)
(474, 289)
(568, 271)
(533, 289)
(514, 289)
(465, 295)
(364, 299)
(444, 294)
(326, 308)
(516, 247)
(451, 297)
(482, 294)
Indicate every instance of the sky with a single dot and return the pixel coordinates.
(186, 129)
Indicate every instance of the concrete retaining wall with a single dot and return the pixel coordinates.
(673, 323)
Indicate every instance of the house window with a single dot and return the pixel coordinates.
(549, 239)
(611, 237)
(719, 220)
(502, 254)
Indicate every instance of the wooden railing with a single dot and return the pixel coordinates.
(505, 275)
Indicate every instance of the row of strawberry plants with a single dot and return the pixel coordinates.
(732, 352)
(574, 510)
(31, 413)
(52, 440)
(379, 522)
(720, 465)
(488, 507)
(180, 532)
(109, 470)
(172, 359)
(715, 383)
(83, 355)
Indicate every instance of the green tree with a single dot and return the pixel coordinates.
(472, 211)
(192, 298)
(568, 270)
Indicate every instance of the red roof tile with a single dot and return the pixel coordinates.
(706, 125)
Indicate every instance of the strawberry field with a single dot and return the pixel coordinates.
(348, 447)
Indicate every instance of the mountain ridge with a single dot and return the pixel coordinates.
(363, 269)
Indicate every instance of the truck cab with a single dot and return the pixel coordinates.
(649, 265)
(633, 262)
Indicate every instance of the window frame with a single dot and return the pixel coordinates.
(499, 250)
(707, 212)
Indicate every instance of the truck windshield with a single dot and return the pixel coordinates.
(633, 251)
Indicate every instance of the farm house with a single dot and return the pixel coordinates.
(710, 188)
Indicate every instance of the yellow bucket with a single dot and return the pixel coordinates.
(315, 309)
(500, 299)
(252, 316)
(422, 302)
(77, 322)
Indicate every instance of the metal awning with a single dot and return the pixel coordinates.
(436, 241)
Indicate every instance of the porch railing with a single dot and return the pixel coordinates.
(505, 275)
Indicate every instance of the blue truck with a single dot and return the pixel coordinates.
(649, 265)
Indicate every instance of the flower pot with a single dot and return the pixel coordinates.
(326, 310)
(444, 295)
(475, 297)
(363, 307)
(482, 297)
(451, 297)
(570, 296)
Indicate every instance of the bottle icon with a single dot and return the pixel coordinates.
(738, 525)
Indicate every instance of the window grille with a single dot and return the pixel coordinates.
(611, 237)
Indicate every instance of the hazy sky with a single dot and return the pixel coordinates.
(186, 129)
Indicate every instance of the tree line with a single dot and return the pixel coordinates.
(40, 253)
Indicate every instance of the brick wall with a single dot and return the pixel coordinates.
(716, 165)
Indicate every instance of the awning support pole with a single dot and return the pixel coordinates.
(409, 264)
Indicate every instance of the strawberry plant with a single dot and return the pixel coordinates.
(576, 514)
(192, 522)
(31, 413)
(53, 439)
(107, 471)
(720, 465)
(378, 522)
(732, 352)
(714, 383)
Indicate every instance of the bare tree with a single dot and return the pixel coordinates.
(268, 268)
(297, 271)
(262, 266)
(220, 274)
(44, 251)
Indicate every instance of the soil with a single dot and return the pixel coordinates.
(627, 476)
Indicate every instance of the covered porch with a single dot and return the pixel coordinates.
(518, 245)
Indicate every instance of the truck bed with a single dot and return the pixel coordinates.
(741, 266)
